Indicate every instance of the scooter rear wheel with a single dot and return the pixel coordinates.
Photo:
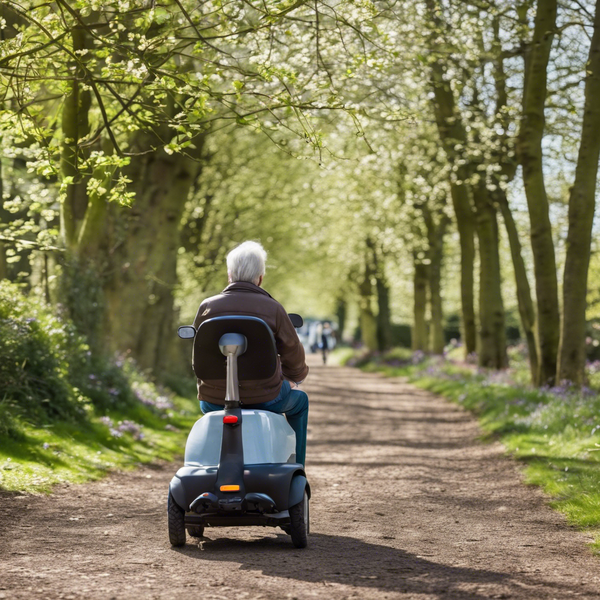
(176, 519)
(300, 523)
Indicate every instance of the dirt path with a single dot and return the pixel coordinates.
(406, 504)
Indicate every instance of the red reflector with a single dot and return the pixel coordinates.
(230, 419)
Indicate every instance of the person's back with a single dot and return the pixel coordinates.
(244, 296)
(248, 299)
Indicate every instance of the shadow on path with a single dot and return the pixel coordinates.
(350, 561)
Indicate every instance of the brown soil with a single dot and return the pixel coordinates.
(407, 503)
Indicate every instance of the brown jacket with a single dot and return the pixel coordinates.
(245, 298)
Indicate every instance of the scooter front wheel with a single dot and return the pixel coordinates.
(300, 523)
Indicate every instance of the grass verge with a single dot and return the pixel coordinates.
(554, 432)
(33, 458)
(69, 413)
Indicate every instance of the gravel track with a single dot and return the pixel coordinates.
(407, 503)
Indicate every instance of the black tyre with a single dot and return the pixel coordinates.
(176, 518)
(300, 523)
(196, 531)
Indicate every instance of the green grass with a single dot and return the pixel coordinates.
(33, 458)
(554, 433)
(69, 412)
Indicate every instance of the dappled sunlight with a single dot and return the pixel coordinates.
(418, 180)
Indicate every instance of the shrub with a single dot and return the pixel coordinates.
(35, 348)
(47, 370)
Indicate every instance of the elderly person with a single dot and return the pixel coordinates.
(244, 296)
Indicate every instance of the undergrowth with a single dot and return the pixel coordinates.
(555, 431)
(67, 415)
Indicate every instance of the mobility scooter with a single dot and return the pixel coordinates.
(240, 464)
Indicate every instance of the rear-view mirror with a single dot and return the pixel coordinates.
(186, 332)
(297, 320)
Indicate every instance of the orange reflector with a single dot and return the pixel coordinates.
(230, 488)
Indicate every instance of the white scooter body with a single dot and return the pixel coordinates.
(266, 437)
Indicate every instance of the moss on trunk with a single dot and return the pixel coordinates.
(75, 126)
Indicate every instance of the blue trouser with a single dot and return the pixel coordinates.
(293, 403)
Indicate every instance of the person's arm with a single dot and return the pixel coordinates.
(290, 349)
(200, 316)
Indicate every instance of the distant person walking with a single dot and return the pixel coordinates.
(325, 340)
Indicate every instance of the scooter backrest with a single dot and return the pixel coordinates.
(259, 361)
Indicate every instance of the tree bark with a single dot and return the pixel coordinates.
(435, 236)
(419, 336)
(368, 322)
(340, 313)
(508, 167)
(93, 232)
(140, 293)
(383, 314)
(524, 300)
(466, 234)
(383, 300)
(530, 157)
(75, 126)
(452, 133)
(3, 265)
(582, 198)
(492, 333)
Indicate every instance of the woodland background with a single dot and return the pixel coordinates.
(420, 172)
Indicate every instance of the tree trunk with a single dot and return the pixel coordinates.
(419, 336)
(140, 293)
(466, 233)
(75, 126)
(340, 313)
(3, 265)
(368, 322)
(524, 300)
(571, 364)
(384, 324)
(508, 167)
(93, 228)
(452, 133)
(435, 236)
(383, 315)
(10, 268)
(492, 333)
(530, 157)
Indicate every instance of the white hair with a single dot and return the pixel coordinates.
(246, 262)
